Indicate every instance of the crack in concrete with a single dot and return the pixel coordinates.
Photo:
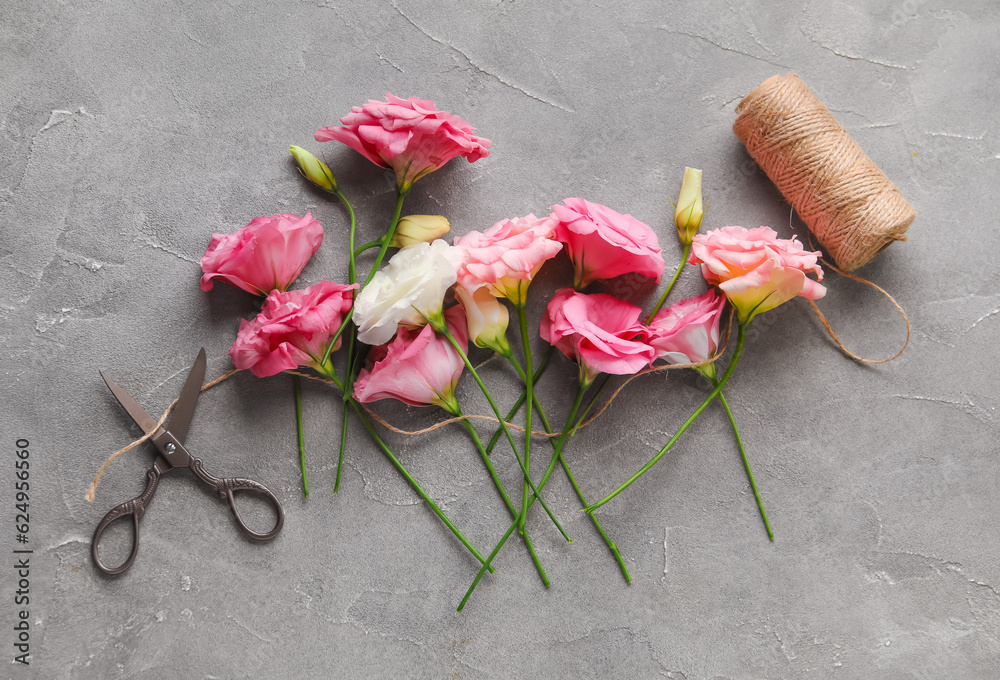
(953, 135)
(389, 61)
(248, 629)
(940, 566)
(59, 116)
(749, 26)
(165, 381)
(666, 538)
(82, 261)
(855, 57)
(56, 117)
(781, 643)
(982, 318)
(968, 406)
(155, 243)
(878, 518)
(66, 541)
(479, 68)
(674, 31)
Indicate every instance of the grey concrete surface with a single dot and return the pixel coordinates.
(129, 132)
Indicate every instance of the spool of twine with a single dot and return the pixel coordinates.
(841, 195)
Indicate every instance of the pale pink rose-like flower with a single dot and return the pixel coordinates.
(267, 254)
(419, 367)
(755, 269)
(687, 332)
(603, 243)
(600, 332)
(505, 257)
(408, 135)
(293, 329)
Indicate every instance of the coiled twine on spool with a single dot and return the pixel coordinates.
(841, 195)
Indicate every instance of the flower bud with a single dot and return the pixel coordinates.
(315, 170)
(487, 318)
(419, 229)
(689, 211)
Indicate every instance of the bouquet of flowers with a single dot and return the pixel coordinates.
(403, 331)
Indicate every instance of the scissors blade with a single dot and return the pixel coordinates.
(180, 422)
(141, 418)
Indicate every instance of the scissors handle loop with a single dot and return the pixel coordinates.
(135, 508)
(227, 486)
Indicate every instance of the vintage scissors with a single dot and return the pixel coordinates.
(172, 454)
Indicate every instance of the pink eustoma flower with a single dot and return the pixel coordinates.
(603, 243)
(687, 332)
(418, 367)
(755, 269)
(293, 329)
(408, 135)
(267, 254)
(600, 332)
(505, 257)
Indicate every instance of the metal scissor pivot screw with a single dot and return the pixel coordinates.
(169, 448)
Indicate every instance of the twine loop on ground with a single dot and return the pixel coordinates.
(829, 330)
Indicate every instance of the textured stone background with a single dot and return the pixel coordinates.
(132, 131)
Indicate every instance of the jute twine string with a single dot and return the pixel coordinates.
(842, 196)
(829, 330)
(389, 426)
(93, 485)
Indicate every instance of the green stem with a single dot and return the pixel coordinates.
(413, 482)
(569, 474)
(297, 390)
(529, 388)
(612, 546)
(343, 442)
(349, 376)
(352, 276)
(590, 404)
(399, 466)
(545, 478)
(503, 493)
(534, 397)
(336, 336)
(352, 267)
(520, 401)
(746, 464)
(489, 465)
(740, 340)
(377, 243)
(442, 328)
(387, 239)
(663, 298)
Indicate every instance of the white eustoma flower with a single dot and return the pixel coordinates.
(413, 284)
